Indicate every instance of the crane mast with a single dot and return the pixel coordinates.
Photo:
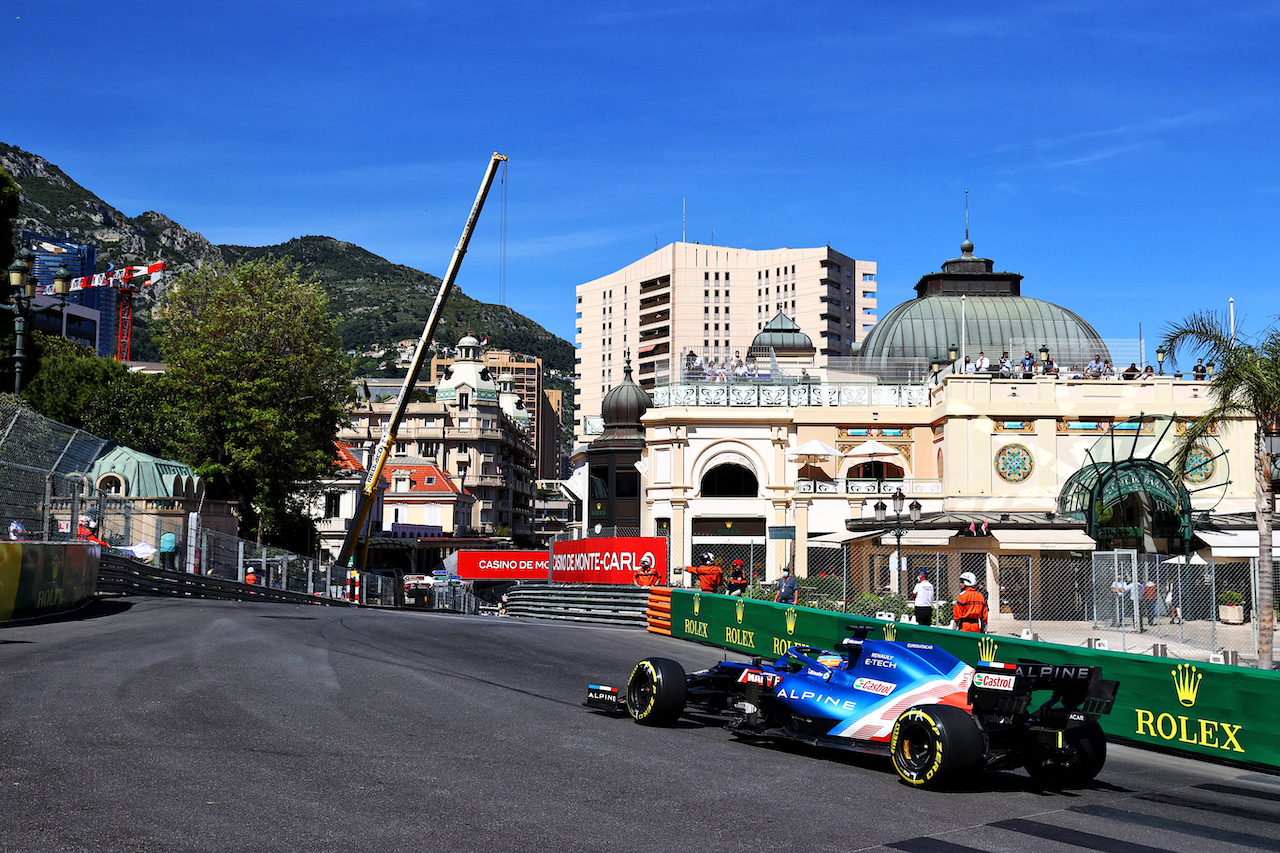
(367, 492)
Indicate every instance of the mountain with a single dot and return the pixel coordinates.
(377, 302)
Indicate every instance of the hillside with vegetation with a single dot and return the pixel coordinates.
(378, 303)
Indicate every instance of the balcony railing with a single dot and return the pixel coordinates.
(766, 394)
(850, 486)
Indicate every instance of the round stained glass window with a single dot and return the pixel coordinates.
(1014, 463)
(1200, 466)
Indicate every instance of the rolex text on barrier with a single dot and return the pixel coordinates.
(502, 565)
(37, 579)
(606, 559)
(1199, 709)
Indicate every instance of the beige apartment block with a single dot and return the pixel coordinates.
(526, 377)
(711, 301)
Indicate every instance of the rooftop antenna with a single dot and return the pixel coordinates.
(684, 209)
(966, 213)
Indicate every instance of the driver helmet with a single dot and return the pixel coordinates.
(968, 579)
(644, 562)
(737, 564)
(708, 558)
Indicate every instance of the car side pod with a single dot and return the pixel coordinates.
(933, 744)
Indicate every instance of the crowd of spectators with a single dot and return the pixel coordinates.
(713, 369)
(1029, 368)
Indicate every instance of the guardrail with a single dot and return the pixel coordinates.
(609, 605)
(1202, 710)
(123, 575)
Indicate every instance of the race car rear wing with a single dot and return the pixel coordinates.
(1077, 691)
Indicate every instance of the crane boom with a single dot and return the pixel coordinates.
(370, 487)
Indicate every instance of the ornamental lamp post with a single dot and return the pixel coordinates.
(1044, 353)
(898, 531)
(1210, 367)
(22, 283)
(1160, 359)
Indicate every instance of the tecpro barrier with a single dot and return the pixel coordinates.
(39, 579)
(1211, 711)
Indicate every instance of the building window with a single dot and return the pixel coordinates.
(332, 504)
(464, 400)
(113, 485)
(402, 448)
(868, 276)
(402, 484)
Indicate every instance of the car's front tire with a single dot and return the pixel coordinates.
(932, 744)
(1078, 768)
(656, 692)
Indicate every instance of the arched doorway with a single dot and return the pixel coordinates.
(729, 480)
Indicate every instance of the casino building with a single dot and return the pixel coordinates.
(1045, 466)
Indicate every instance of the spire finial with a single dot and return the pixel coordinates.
(966, 248)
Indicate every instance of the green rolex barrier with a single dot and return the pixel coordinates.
(38, 579)
(1223, 713)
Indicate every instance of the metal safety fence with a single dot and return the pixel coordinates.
(1122, 601)
(46, 496)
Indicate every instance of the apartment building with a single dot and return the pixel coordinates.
(477, 432)
(712, 301)
(526, 376)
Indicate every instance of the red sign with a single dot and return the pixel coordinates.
(606, 560)
(503, 565)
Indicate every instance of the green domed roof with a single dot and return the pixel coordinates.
(996, 318)
(782, 334)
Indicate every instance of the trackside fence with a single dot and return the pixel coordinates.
(1121, 600)
(1205, 710)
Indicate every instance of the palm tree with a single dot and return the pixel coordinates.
(1246, 386)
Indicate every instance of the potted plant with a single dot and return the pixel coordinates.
(1230, 607)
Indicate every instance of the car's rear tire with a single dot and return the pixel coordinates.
(933, 744)
(1080, 768)
(656, 692)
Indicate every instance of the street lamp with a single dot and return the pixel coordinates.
(22, 283)
(1044, 353)
(898, 531)
(1210, 367)
(1160, 359)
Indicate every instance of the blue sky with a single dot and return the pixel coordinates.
(1122, 156)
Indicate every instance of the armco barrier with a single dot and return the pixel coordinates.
(121, 574)
(605, 604)
(38, 579)
(1223, 713)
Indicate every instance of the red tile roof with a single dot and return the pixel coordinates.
(443, 484)
(346, 460)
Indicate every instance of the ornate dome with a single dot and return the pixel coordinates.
(468, 340)
(997, 317)
(783, 335)
(623, 407)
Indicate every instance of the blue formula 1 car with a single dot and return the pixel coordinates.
(936, 717)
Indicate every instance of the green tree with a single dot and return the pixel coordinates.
(10, 196)
(255, 367)
(1246, 385)
(67, 385)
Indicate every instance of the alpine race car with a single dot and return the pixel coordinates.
(936, 717)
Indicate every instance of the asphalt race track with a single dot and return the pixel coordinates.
(157, 724)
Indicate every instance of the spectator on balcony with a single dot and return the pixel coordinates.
(1093, 369)
(1131, 372)
(969, 367)
(1006, 366)
(1107, 370)
(1149, 372)
(1199, 372)
(983, 363)
(1028, 365)
(1049, 368)
(1076, 372)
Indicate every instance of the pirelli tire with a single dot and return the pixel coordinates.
(656, 692)
(1075, 766)
(934, 745)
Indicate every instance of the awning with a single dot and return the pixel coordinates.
(919, 537)
(649, 348)
(835, 540)
(1237, 543)
(1044, 540)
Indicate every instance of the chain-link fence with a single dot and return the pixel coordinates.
(1122, 601)
(46, 496)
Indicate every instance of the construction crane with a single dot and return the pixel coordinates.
(365, 498)
(126, 282)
